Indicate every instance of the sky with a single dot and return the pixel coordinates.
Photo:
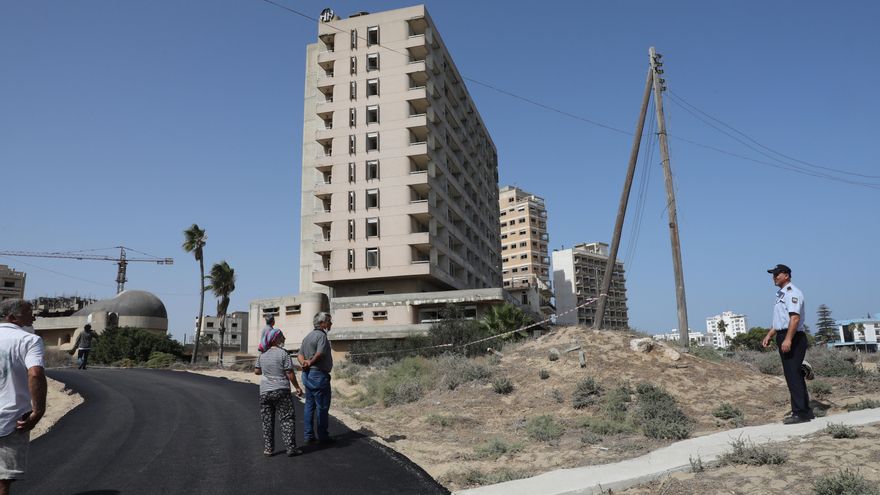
(123, 123)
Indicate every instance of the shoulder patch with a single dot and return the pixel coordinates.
(789, 288)
(794, 300)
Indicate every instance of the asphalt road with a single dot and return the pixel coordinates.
(168, 432)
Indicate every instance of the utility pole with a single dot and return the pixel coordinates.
(624, 199)
(659, 87)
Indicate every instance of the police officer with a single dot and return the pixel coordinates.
(791, 340)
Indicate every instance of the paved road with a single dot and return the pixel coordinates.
(167, 432)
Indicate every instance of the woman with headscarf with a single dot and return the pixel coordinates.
(276, 368)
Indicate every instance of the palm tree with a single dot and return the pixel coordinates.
(194, 242)
(504, 318)
(222, 284)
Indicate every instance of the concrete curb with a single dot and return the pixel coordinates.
(675, 457)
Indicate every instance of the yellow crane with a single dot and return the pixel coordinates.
(121, 261)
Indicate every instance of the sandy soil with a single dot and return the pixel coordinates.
(59, 401)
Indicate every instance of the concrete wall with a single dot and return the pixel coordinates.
(293, 315)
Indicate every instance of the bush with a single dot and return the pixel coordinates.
(590, 438)
(349, 371)
(706, 352)
(474, 477)
(439, 420)
(160, 360)
(841, 431)
(553, 355)
(557, 395)
(604, 426)
(131, 343)
(835, 362)
(697, 464)
(585, 393)
(863, 404)
(753, 455)
(495, 448)
(845, 482)
(55, 358)
(458, 370)
(124, 363)
(727, 411)
(402, 383)
(245, 366)
(616, 403)
(820, 390)
(750, 341)
(659, 415)
(543, 374)
(543, 428)
(502, 385)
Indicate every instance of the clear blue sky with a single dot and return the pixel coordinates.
(125, 122)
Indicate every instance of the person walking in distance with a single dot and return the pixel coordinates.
(83, 346)
(791, 340)
(316, 358)
(276, 367)
(22, 388)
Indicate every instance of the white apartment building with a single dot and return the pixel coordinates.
(11, 283)
(577, 277)
(400, 175)
(696, 338)
(236, 332)
(525, 263)
(734, 325)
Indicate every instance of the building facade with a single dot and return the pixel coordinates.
(578, 273)
(525, 263)
(235, 335)
(11, 283)
(293, 315)
(734, 325)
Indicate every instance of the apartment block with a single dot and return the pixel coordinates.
(577, 277)
(525, 263)
(400, 175)
(734, 325)
(11, 283)
(235, 334)
(293, 315)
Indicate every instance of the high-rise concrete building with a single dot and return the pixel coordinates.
(734, 325)
(577, 277)
(11, 283)
(525, 264)
(399, 174)
(235, 334)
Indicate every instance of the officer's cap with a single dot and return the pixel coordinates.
(776, 270)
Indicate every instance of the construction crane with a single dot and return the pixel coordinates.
(121, 261)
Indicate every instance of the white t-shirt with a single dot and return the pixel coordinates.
(19, 350)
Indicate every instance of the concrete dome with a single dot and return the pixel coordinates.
(128, 303)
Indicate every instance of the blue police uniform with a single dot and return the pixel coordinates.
(790, 299)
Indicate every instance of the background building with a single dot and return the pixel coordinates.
(734, 325)
(234, 337)
(525, 263)
(696, 338)
(293, 315)
(46, 307)
(577, 277)
(11, 283)
(859, 333)
(400, 175)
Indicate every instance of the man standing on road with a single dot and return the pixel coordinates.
(83, 346)
(791, 340)
(316, 358)
(22, 388)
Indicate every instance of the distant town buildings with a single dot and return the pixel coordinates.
(51, 307)
(525, 264)
(577, 277)
(11, 283)
(696, 338)
(859, 333)
(235, 335)
(732, 324)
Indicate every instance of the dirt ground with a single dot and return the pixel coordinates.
(59, 401)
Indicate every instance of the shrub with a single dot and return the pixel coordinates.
(402, 383)
(604, 426)
(835, 362)
(543, 428)
(727, 411)
(706, 352)
(616, 403)
(543, 374)
(382, 362)
(590, 438)
(585, 393)
(131, 343)
(820, 390)
(753, 455)
(160, 360)
(697, 464)
(659, 415)
(863, 404)
(349, 371)
(845, 482)
(502, 385)
(495, 448)
(55, 358)
(556, 395)
(841, 430)
(124, 363)
(438, 420)
(553, 355)
(245, 366)
(474, 477)
(458, 370)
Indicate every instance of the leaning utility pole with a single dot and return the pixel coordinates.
(655, 81)
(659, 88)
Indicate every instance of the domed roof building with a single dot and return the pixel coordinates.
(130, 308)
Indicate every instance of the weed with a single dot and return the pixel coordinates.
(553, 355)
(543, 374)
(820, 390)
(616, 403)
(835, 362)
(753, 455)
(841, 430)
(502, 385)
(160, 360)
(474, 477)
(350, 371)
(590, 438)
(556, 394)
(54, 358)
(404, 382)
(438, 420)
(706, 352)
(585, 393)
(125, 363)
(659, 415)
(697, 464)
(727, 411)
(458, 370)
(863, 404)
(543, 428)
(845, 482)
(604, 426)
(495, 448)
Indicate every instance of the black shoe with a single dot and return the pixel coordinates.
(795, 419)
(295, 452)
(807, 371)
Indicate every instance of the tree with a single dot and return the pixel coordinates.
(721, 327)
(194, 242)
(222, 284)
(132, 343)
(504, 318)
(827, 328)
(750, 340)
